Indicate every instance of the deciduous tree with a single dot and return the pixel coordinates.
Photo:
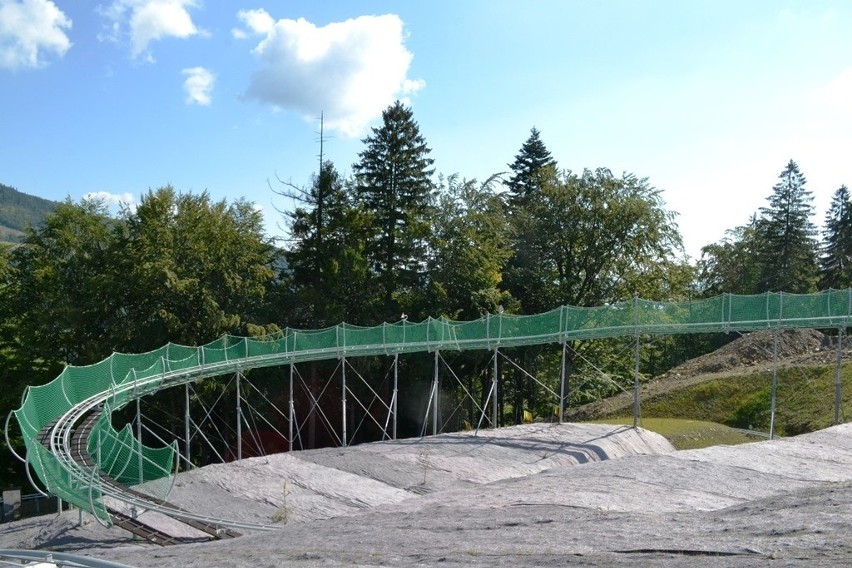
(731, 266)
(193, 269)
(588, 240)
(62, 287)
(595, 238)
(471, 246)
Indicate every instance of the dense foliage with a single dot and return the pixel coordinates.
(327, 272)
(179, 268)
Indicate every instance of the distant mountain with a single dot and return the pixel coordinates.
(19, 211)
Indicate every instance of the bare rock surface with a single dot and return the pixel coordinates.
(587, 495)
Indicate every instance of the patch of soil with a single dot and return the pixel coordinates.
(753, 352)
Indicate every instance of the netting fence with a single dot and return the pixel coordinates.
(114, 382)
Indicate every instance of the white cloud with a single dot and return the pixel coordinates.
(351, 71)
(112, 200)
(28, 30)
(145, 21)
(198, 84)
(257, 21)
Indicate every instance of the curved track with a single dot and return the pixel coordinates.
(50, 413)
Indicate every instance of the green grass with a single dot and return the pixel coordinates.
(805, 401)
(687, 434)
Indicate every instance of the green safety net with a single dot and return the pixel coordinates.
(117, 380)
(122, 458)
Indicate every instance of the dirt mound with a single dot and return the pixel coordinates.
(750, 353)
(757, 348)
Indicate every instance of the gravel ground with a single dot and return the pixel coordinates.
(585, 495)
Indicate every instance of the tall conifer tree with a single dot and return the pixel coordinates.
(527, 167)
(523, 270)
(393, 180)
(326, 261)
(836, 260)
(788, 252)
(532, 169)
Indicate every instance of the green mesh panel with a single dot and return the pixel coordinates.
(84, 493)
(45, 403)
(118, 454)
(213, 355)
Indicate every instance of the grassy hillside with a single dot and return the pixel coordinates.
(805, 400)
(688, 434)
(19, 211)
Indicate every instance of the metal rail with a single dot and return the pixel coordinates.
(58, 438)
(59, 559)
(80, 452)
(146, 531)
(119, 519)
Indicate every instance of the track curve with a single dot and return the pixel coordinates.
(52, 411)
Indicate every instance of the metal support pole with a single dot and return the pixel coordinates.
(344, 403)
(292, 409)
(139, 435)
(562, 382)
(494, 407)
(435, 394)
(636, 368)
(774, 386)
(239, 420)
(636, 384)
(838, 379)
(395, 405)
(186, 427)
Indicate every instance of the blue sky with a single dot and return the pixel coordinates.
(709, 100)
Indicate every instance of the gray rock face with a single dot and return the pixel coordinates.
(530, 495)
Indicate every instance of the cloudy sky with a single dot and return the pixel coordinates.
(709, 100)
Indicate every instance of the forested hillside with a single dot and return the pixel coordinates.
(19, 211)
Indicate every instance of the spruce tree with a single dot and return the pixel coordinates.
(393, 181)
(532, 166)
(788, 252)
(532, 169)
(836, 260)
(326, 261)
(533, 158)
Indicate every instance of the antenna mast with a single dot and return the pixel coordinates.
(321, 138)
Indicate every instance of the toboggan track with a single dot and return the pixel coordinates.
(58, 420)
